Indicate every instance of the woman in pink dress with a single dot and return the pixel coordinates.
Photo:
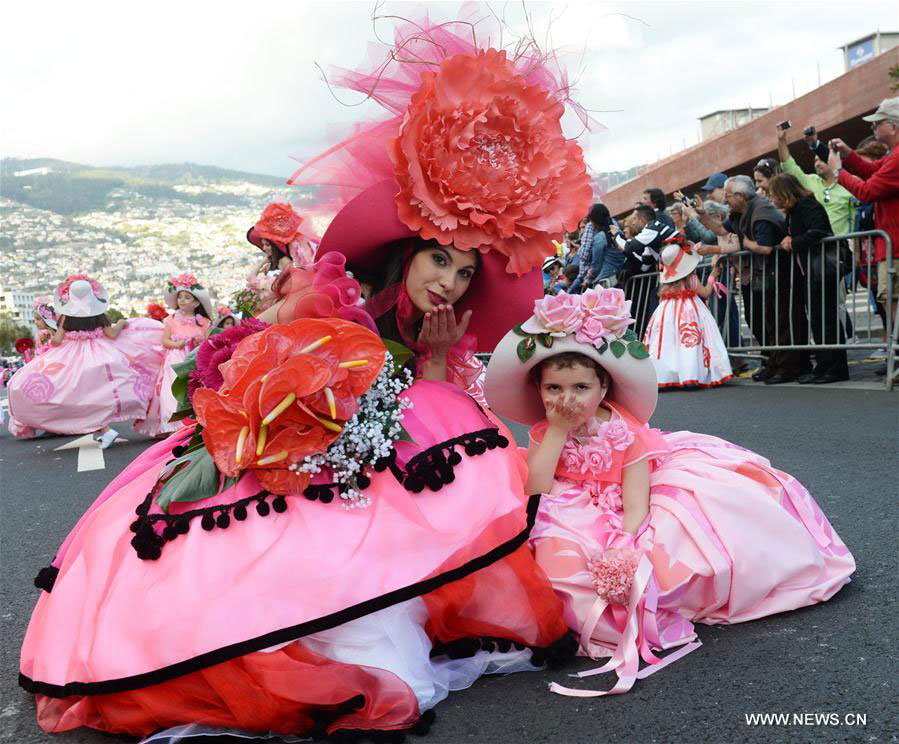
(83, 382)
(643, 533)
(683, 339)
(183, 331)
(239, 576)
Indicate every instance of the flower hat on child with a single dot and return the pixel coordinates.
(187, 283)
(677, 261)
(472, 154)
(43, 308)
(79, 296)
(595, 324)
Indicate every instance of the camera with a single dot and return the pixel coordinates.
(686, 200)
(833, 145)
(809, 132)
(784, 125)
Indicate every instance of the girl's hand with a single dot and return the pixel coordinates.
(61, 322)
(565, 413)
(440, 331)
(121, 323)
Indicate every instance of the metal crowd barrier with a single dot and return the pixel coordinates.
(778, 302)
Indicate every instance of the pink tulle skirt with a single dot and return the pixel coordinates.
(225, 627)
(162, 404)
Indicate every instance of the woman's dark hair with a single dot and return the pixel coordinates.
(570, 272)
(277, 254)
(768, 167)
(86, 324)
(871, 147)
(600, 217)
(787, 188)
(567, 360)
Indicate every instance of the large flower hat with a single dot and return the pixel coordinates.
(79, 296)
(187, 283)
(473, 155)
(282, 225)
(595, 324)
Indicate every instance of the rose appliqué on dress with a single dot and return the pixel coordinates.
(38, 388)
(588, 449)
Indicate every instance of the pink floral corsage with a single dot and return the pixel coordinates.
(613, 574)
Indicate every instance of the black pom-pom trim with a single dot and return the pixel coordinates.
(46, 578)
(432, 468)
(355, 736)
(554, 656)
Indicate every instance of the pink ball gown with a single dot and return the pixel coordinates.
(189, 328)
(729, 538)
(684, 342)
(290, 614)
(78, 387)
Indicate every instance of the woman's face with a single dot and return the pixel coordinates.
(187, 303)
(678, 218)
(439, 276)
(761, 182)
(579, 383)
(266, 247)
(39, 323)
(777, 201)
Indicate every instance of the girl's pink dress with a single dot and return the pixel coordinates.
(78, 387)
(189, 328)
(728, 538)
(296, 615)
(684, 342)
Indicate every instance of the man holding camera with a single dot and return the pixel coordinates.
(878, 183)
(835, 199)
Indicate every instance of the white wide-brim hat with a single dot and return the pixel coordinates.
(83, 300)
(199, 293)
(677, 262)
(509, 389)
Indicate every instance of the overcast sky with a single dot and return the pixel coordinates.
(234, 84)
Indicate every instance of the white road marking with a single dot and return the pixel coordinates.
(90, 456)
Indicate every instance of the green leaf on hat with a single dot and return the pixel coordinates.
(630, 335)
(637, 350)
(602, 349)
(617, 348)
(191, 477)
(526, 348)
(546, 340)
(517, 330)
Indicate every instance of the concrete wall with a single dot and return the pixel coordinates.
(835, 109)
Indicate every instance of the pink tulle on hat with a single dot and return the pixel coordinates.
(472, 155)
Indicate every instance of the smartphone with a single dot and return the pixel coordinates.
(785, 125)
(833, 145)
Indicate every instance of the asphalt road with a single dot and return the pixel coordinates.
(832, 658)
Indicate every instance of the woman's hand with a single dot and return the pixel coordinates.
(565, 413)
(703, 249)
(787, 243)
(835, 161)
(440, 331)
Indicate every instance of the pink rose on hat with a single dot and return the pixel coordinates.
(606, 315)
(556, 315)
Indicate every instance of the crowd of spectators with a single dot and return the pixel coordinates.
(789, 280)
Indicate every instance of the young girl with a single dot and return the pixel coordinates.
(184, 330)
(45, 321)
(683, 339)
(642, 532)
(82, 381)
(227, 319)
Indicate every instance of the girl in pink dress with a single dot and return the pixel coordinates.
(183, 331)
(641, 532)
(45, 322)
(83, 382)
(238, 576)
(683, 339)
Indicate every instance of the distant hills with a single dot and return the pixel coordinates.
(72, 188)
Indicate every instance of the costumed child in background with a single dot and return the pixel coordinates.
(82, 382)
(183, 330)
(683, 339)
(45, 322)
(642, 532)
(227, 319)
